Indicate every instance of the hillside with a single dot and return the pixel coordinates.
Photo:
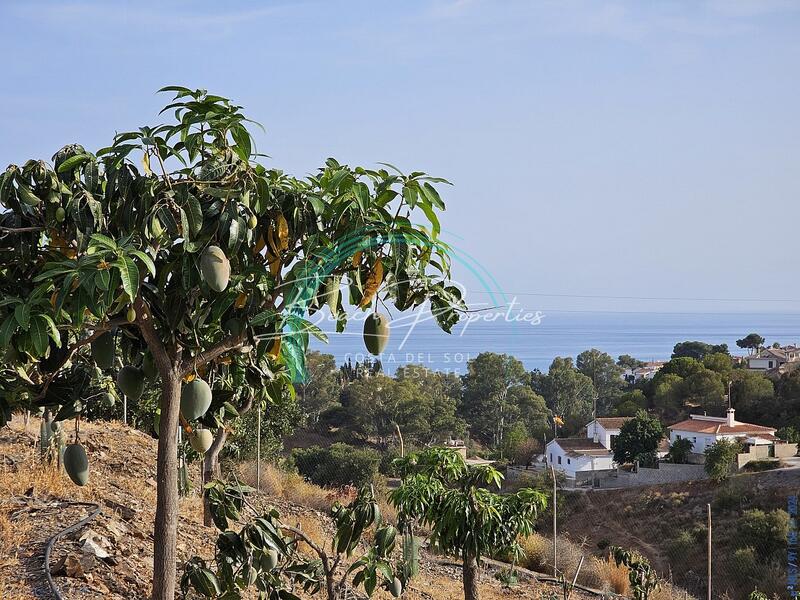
(36, 502)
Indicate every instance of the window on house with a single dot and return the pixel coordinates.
(770, 364)
(569, 461)
(559, 460)
(677, 436)
(551, 457)
(694, 440)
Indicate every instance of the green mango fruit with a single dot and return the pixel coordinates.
(216, 268)
(61, 214)
(195, 399)
(103, 350)
(397, 588)
(76, 464)
(269, 560)
(149, 366)
(376, 333)
(201, 440)
(130, 381)
(332, 293)
(252, 222)
(108, 400)
(131, 314)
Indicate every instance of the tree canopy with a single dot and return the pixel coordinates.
(201, 261)
(638, 440)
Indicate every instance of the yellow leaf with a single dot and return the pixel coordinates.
(283, 233)
(189, 377)
(374, 280)
(146, 163)
(241, 299)
(357, 258)
(275, 348)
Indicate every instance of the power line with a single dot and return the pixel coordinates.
(604, 297)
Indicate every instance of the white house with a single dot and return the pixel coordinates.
(773, 358)
(574, 455)
(646, 371)
(705, 431)
(606, 429)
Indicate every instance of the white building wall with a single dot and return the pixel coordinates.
(570, 465)
(700, 441)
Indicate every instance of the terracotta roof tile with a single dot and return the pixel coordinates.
(719, 428)
(612, 422)
(581, 446)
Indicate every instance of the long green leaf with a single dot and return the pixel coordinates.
(39, 334)
(145, 258)
(129, 274)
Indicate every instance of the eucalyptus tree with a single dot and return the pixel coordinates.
(202, 263)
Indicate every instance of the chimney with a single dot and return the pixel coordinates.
(731, 420)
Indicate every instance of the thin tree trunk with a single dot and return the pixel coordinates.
(470, 578)
(165, 527)
(211, 470)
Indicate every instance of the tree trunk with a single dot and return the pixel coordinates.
(211, 470)
(165, 527)
(470, 578)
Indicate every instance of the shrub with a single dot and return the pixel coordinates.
(679, 451)
(733, 496)
(337, 465)
(615, 577)
(766, 464)
(721, 459)
(767, 530)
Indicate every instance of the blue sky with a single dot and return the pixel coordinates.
(636, 149)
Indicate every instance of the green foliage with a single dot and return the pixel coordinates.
(630, 403)
(440, 491)
(626, 361)
(721, 459)
(265, 552)
(766, 531)
(497, 394)
(339, 464)
(642, 576)
(638, 440)
(751, 341)
(789, 434)
(568, 393)
(679, 451)
(605, 374)
(697, 350)
(321, 385)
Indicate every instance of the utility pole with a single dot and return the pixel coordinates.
(594, 435)
(258, 451)
(555, 510)
(709, 551)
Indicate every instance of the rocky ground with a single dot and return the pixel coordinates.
(111, 556)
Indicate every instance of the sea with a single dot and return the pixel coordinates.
(537, 338)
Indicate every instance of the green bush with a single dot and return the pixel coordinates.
(735, 495)
(766, 531)
(766, 464)
(721, 459)
(337, 465)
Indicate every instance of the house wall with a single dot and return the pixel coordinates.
(571, 465)
(762, 363)
(700, 441)
(785, 450)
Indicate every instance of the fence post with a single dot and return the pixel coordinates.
(709, 551)
(555, 510)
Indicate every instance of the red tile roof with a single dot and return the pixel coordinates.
(612, 422)
(580, 445)
(719, 427)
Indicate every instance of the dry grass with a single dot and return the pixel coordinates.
(295, 489)
(668, 591)
(311, 528)
(615, 576)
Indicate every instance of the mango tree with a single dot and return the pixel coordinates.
(177, 254)
(456, 502)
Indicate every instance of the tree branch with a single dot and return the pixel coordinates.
(144, 319)
(98, 331)
(21, 229)
(215, 351)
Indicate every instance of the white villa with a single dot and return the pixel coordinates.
(773, 358)
(704, 431)
(594, 452)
